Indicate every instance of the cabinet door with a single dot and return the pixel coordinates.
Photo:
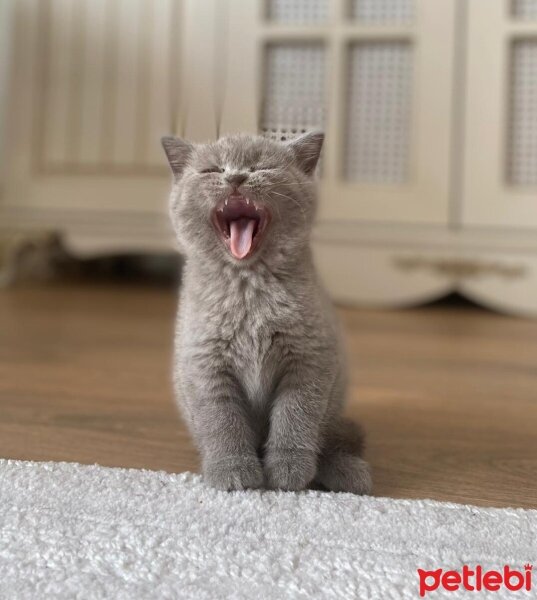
(376, 75)
(500, 171)
(96, 85)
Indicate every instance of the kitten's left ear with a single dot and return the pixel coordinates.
(307, 149)
(177, 151)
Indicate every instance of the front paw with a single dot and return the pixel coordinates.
(234, 473)
(290, 470)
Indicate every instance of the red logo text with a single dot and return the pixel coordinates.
(475, 580)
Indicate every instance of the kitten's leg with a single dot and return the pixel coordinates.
(341, 468)
(220, 424)
(292, 446)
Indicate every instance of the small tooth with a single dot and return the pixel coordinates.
(225, 202)
(247, 201)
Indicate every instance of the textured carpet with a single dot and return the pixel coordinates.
(73, 531)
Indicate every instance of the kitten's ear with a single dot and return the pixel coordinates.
(307, 149)
(177, 151)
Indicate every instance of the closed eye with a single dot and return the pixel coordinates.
(262, 168)
(212, 170)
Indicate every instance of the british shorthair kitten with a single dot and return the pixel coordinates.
(258, 368)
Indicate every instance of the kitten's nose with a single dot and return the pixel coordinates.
(235, 179)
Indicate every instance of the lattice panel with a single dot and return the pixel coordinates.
(522, 152)
(379, 112)
(524, 9)
(297, 12)
(382, 11)
(294, 95)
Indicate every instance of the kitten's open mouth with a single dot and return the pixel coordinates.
(241, 223)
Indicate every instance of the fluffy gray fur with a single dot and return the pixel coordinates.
(258, 368)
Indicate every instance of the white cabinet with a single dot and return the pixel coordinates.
(428, 179)
(500, 167)
(429, 170)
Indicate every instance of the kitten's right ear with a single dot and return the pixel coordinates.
(177, 151)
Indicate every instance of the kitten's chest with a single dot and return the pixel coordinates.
(250, 326)
(251, 359)
(249, 348)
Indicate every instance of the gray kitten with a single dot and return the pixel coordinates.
(258, 361)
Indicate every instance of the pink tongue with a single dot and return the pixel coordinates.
(242, 236)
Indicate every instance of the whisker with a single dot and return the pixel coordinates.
(281, 184)
(295, 202)
(276, 206)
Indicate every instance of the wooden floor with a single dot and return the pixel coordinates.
(448, 395)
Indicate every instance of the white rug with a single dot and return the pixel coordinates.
(73, 531)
